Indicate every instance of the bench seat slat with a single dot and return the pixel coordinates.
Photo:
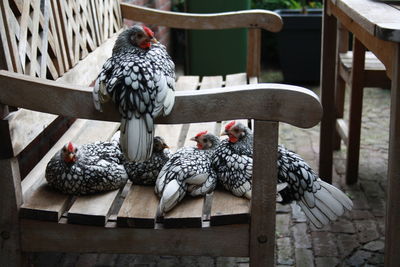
(92, 209)
(188, 213)
(139, 208)
(229, 209)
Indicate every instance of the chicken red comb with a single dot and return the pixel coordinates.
(70, 147)
(229, 125)
(201, 133)
(149, 32)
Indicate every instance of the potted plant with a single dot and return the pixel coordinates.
(298, 45)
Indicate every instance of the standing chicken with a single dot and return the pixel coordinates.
(87, 169)
(320, 201)
(140, 79)
(145, 173)
(188, 170)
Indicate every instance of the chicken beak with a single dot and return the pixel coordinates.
(223, 133)
(193, 139)
(70, 156)
(154, 40)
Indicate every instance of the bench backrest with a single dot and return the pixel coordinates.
(47, 38)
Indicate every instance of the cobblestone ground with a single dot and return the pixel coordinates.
(357, 239)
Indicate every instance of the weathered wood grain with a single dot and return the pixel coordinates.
(263, 197)
(291, 104)
(229, 209)
(139, 208)
(188, 213)
(93, 209)
(255, 18)
(45, 236)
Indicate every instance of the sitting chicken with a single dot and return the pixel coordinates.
(232, 160)
(146, 172)
(188, 170)
(87, 169)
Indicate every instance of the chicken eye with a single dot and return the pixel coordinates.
(205, 140)
(140, 35)
(236, 130)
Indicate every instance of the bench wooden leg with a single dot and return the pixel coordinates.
(262, 226)
(10, 201)
(356, 96)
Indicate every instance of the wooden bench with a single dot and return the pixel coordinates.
(51, 54)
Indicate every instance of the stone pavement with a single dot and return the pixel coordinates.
(357, 239)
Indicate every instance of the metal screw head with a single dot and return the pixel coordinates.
(5, 235)
(262, 239)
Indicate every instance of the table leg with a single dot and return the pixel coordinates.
(392, 229)
(328, 70)
(356, 97)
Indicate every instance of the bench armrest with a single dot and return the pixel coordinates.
(256, 18)
(271, 102)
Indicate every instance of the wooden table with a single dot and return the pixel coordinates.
(376, 27)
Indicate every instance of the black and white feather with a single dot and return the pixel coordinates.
(146, 172)
(140, 79)
(320, 201)
(87, 169)
(187, 171)
(233, 160)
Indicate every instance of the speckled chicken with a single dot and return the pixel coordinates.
(233, 160)
(145, 173)
(187, 171)
(140, 78)
(87, 169)
(320, 201)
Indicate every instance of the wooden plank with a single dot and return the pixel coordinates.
(235, 79)
(262, 230)
(211, 82)
(267, 20)
(211, 241)
(229, 209)
(369, 14)
(371, 61)
(139, 208)
(188, 213)
(92, 209)
(40, 202)
(279, 102)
